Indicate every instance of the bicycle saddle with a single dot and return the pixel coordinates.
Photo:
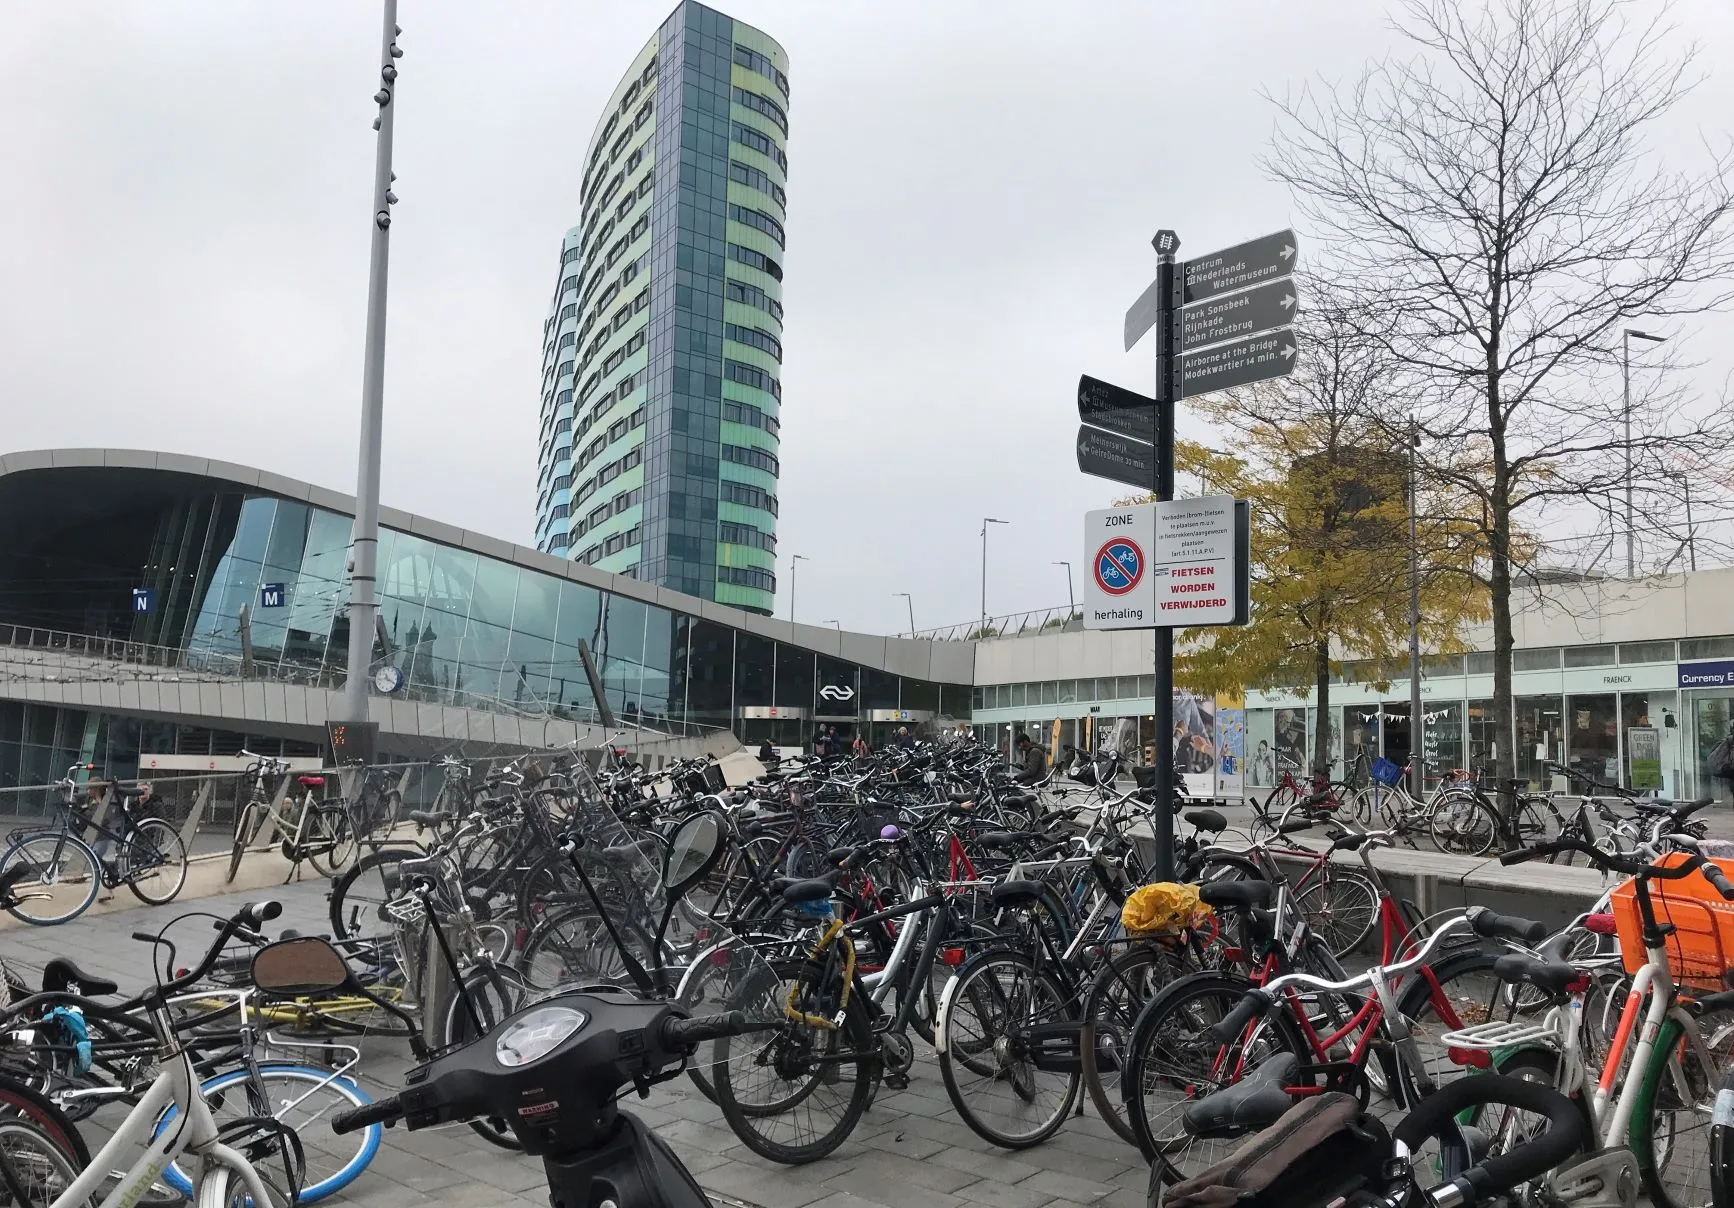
(310, 782)
(1014, 800)
(1255, 1102)
(1012, 894)
(1237, 894)
(130, 790)
(1553, 976)
(815, 890)
(427, 817)
(1206, 820)
(61, 974)
(958, 798)
(1680, 809)
(1004, 840)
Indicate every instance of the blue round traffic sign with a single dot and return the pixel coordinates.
(1119, 566)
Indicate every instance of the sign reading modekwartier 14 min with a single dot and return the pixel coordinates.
(1166, 565)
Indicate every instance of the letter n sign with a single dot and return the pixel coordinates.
(144, 599)
(270, 595)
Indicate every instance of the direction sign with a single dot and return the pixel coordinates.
(1252, 263)
(1105, 405)
(1240, 363)
(1231, 316)
(144, 599)
(1144, 313)
(1116, 458)
(270, 595)
(1119, 566)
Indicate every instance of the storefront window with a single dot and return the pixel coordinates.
(1483, 736)
(755, 659)
(1592, 736)
(1442, 737)
(1540, 724)
(1399, 740)
(710, 664)
(1711, 720)
(794, 678)
(1647, 746)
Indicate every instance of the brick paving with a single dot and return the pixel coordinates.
(909, 1151)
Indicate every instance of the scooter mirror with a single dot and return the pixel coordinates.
(299, 966)
(692, 853)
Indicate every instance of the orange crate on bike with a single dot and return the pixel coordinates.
(1701, 949)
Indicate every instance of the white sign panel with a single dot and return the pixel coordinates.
(1192, 575)
(1160, 565)
(1117, 545)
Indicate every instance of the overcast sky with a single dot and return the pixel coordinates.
(972, 190)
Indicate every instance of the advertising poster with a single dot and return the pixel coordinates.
(1261, 749)
(1644, 748)
(1291, 743)
(1230, 751)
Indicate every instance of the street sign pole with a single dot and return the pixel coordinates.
(1167, 396)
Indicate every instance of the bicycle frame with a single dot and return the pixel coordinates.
(176, 1086)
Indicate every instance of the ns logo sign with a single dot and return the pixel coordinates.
(837, 692)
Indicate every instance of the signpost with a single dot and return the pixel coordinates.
(1220, 322)
(1116, 458)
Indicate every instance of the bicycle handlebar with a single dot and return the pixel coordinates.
(1566, 1133)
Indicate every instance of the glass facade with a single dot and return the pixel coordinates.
(661, 387)
(235, 573)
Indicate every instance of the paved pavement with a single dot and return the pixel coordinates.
(909, 1151)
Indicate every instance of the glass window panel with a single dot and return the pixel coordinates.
(580, 615)
(1589, 656)
(11, 721)
(451, 580)
(1646, 711)
(1481, 662)
(955, 700)
(620, 652)
(568, 686)
(658, 697)
(878, 689)
(1049, 692)
(1540, 722)
(529, 663)
(1442, 732)
(1436, 666)
(538, 604)
(920, 694)
(1146, 687)
(494, 592)
(1126, 688)
(979, 698)
(794, 687)
(1546, 659)
(1706, 648)
(709, 674)
(1260, 744)
(755, 667)
(1646, 652)
(844, 697)
(1483, 750)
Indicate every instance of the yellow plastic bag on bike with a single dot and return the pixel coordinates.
(1165, 906)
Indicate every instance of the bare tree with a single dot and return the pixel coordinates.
(1491, 201)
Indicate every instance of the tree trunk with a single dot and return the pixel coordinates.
(1499, 583)
(1322, 689)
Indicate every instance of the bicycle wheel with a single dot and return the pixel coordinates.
(1111, 1008)
(221, 1189)
(1341, 908)
(63, 878)
(247, 822)
(1017, 1020)
(1670, 1131)
(1463, 826)
(153, 863)
(328, 841)
(1172, 1062)
(304, 1099)
(35, 1165)
(794, 1094)
(359, 896)
(1458, 991)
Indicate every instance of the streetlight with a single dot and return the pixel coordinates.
(907, 600)
(793, 563)
(985, 522)
(1626, 375)
(838, 624)
(1691, 537)
(1071, 600)
(364, 539)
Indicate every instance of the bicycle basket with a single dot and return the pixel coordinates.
(1702, 946)
(1386, 772)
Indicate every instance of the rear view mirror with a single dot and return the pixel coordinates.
(693, 852)
(300, 966)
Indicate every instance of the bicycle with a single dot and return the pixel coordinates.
(1658, 1082)
(312, 830)
(53, 874)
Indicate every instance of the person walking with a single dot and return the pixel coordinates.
(859, 747)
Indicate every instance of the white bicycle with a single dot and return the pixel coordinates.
(173, 1121)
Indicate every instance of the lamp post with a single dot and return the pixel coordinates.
(793, 564)
(1626, 377)
(985, 522)
(1417, 720)
(907, 600)
(838, 624)
(364, 537)
(1685, 481)
(1071, 600)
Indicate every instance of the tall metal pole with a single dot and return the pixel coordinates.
(1167, 399)
(364, 547)
(794, 565)
(907, 599)
(985, 522)
(1691, 533)
(1417, 721)
(1626, 376)
(1071, 600)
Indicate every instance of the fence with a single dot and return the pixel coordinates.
(1062, 618)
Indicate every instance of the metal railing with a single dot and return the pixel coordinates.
(1060, 618)
(36, 655)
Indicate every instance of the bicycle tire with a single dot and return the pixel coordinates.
(494, 994)
(1457, 836)
(165, 847)
(327, 843)
(851, 1049)
(34, 1160)
(1109, 1015)
(1680, 1176)
(359, 895)
(245, 824)
(46, 854)
(1023, 996)
(1169, 1045)
(1468, 993)
(1340, 908)
(317, 1137)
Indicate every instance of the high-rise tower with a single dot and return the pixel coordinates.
(662, 351)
